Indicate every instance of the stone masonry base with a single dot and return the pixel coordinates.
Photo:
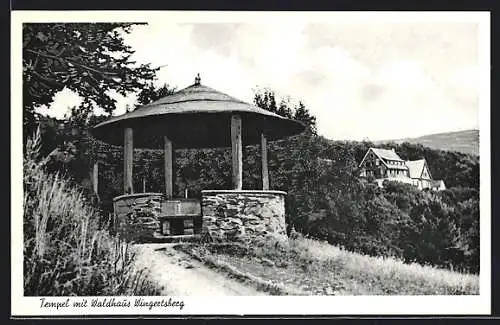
(226, 215)
(230, 215)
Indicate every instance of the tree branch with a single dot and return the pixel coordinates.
(55, 57)
(50, 81)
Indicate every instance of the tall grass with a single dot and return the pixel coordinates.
(378, 275)
(66, 252)
(302, 266)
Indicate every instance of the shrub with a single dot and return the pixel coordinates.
(66, 252)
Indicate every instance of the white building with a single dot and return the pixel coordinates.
(384, 164)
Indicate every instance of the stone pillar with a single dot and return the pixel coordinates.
(237, 152)
(128, 161)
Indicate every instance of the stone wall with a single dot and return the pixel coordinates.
(230, 215)
(137, 215)
(227, 215)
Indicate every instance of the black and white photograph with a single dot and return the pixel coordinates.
(197, 162)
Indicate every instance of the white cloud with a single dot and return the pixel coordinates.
(463, 85)
(121, 103)
(63, 101)
(404, 75)
(380, 81)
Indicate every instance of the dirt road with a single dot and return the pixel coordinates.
(180, 275)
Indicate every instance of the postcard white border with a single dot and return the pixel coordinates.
(317, 305)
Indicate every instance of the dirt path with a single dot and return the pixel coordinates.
(180, 275)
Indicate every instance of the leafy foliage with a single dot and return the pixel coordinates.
(90, 59)
(151, 93)
(67, 249)
(266, 99)
(326, 199)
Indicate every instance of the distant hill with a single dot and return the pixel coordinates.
(462, 141)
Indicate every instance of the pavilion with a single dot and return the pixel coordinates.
(198, 117)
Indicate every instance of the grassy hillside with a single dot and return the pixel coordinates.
(68, 250)
(301, 266)
(462, 141)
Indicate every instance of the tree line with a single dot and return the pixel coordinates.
(326, 198)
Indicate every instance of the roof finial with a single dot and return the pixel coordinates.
(197, 80)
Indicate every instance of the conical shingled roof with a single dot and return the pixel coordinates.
(195, 117)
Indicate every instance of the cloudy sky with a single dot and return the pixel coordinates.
(361, 80)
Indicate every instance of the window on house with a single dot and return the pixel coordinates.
(376, 162)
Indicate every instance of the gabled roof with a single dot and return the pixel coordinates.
(399, 167)
(416, 167)
(386, 154)
(383, 155)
